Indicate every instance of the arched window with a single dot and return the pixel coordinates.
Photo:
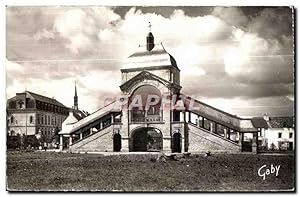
(145, 96)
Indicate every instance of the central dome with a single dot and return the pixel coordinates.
(155, 57)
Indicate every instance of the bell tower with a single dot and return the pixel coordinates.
(150, 39)
(75, 98)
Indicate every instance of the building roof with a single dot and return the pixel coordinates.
(45, 99)
(281, 122)
(259, 122)
(158, 56)
(79, 114)
(146, 75)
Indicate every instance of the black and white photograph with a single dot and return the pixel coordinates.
(150, 98)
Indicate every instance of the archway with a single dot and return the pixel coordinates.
(146, 139)
(148, 99)
(176, 148)
(117, 142)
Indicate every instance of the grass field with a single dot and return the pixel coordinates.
(45, 171)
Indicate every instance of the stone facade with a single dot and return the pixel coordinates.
(153, 71)
(31, 114)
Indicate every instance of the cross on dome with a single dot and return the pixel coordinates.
(149, 26)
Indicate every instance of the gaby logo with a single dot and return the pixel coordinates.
(265, 171)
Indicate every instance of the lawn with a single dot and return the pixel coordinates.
(45, 171)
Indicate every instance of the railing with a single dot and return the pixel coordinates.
(214, 133)
(90, 134)
(146, 119)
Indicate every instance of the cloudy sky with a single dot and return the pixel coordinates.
(238, 59)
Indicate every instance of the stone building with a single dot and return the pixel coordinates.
(174, 122)
(30, 114)
(279, 134)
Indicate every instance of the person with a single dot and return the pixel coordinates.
(45, 146)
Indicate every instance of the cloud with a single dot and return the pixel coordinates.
(43, 34)
(224, 53)
(80, 26)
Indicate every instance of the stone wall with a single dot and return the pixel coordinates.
(203, 141)
(98, 142)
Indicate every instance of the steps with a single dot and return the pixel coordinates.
(201, 140)
(100, 141)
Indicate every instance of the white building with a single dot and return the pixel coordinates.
(279, 135)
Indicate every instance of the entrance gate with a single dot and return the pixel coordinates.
(176, 143)
(146, 140)
(117, 142)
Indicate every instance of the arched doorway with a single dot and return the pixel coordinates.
(176, 148)
(146, 140)
(117, 142)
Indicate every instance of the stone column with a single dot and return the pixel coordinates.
(225, 133)
(101, 125)
(129, 116)
(70, 140)
(61, 142)
(125, 144)
(80, 136)
(167, 144)
(182, 144)
(211, 127)
(254, 143)
(189, 116)
(112, 118)
(241, 136)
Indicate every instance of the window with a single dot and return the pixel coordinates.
(12, 120)
(30, 119)
(21, 104)
(291, 135)
(12, 132)
(284, 125)
(38, 119)
(48, 120)
(42, 119)
(279, 135)
(171, 76)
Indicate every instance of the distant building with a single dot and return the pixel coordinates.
(278, 133)
(29, 113)
(74, 114)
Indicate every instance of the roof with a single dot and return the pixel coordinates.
(219, 116)
(79, 114)
(111, 107)
(146, 75)
(71, 119)
(158, 56)
(259, 122)
(281, 122)
(45, 99)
